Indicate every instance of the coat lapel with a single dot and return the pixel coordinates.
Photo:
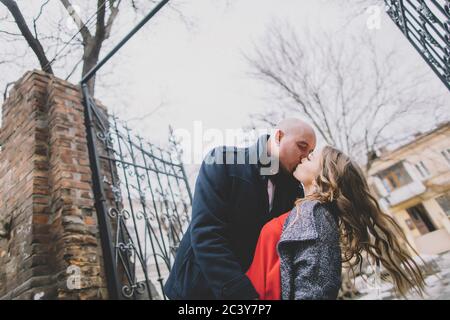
(300, 225)
(295, 229)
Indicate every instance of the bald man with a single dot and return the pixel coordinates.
(237, 191)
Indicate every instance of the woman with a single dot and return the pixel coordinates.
(299, 255)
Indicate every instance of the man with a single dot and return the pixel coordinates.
(231, 204)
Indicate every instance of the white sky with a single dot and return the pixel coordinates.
(200, 71)
(197, 68)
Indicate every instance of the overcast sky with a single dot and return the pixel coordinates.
(199, 71)
(195, 69)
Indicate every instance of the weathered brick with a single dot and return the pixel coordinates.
(89, 221)
(40, 218)
(45, 182)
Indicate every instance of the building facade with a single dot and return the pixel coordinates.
(412, 183)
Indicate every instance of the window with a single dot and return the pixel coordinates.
(444, 202)
(395, 177)
(421, 219)
(446, 154)
(375, 190)
(410, 224)
(424, 172)
(386, 185)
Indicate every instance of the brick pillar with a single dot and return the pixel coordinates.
(48, 224)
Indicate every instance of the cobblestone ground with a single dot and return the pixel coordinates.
(438, 284)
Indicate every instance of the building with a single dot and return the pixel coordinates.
(412, 183)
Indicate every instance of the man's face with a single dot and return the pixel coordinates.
(294, 147)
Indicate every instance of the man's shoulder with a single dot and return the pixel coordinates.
(231, 159)
(220, 153)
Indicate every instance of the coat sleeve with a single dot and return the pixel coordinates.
(317, 263)
(209, 233)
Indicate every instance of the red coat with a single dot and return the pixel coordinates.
(264, 272)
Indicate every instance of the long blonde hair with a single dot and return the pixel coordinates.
(364, 227)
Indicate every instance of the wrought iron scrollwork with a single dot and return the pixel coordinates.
(148, 206)
(129, 290)
(426, 24)
(114, 213)
(128, 243)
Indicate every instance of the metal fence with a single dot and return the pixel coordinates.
(147, 204)
(426, 24)
(142, 197)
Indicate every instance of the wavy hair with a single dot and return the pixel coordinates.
(364, 228)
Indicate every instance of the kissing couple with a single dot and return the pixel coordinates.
(282, 224)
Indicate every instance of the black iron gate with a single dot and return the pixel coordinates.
(142, 198)
(426, 24)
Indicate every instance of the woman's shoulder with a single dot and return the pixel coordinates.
(325, 219)
(307, 210)
(309, 220)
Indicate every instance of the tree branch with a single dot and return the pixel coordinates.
(37, 18)
(26, 33)
(114, 11)
(77, 19)
(100, 29)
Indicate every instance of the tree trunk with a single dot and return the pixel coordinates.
(90, 59)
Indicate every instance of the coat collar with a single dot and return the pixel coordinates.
(258, 152)
(259, 157)
(300, 228)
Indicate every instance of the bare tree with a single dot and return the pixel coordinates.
(73, 48)
(355, 97)
(92, 43)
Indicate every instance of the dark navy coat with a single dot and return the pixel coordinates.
(230, 207)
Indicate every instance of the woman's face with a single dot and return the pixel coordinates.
(307, 171)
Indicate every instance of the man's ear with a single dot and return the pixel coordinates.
(278, 136)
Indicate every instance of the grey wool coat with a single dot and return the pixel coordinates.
(310, 255)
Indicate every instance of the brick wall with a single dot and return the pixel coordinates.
(48, 224)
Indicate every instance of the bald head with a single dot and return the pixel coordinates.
(295, 126)
(294, 140)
